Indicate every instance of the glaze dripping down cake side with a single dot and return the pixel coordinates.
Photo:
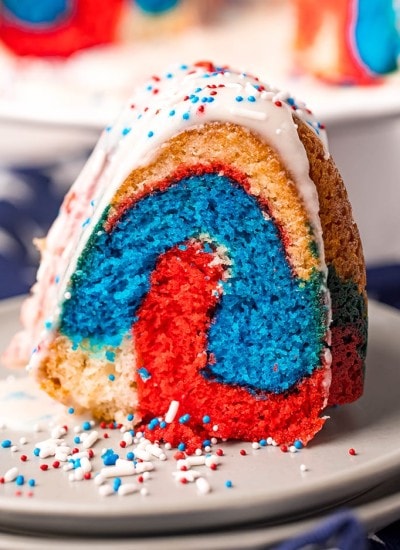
(206, 262)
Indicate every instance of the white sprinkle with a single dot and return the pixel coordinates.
(99, 480)
(144, 491)
(106, 490)
(278, 131)
(58, 431)
(214, 440)
(156, 451)
(82, 454)
(215, 428)
(303, 468)
(168, 446)
(11, 474)
(86, 465)
(91, 439)
(62, 457)
(14, 449)
(45, 452)
(142, 454)
(190, 475)
(198, 452)
(196, 460)
(292, 449)
(171, 413)
(76, 475)
(248, 113)
(202, 485)
(267, 95)
(146, 476)
(128, 489)
(48, 443)
(23, 441)
(77, 429)
(255, 445)
(67, 295)
(38, 428)
(211, 459)
(127, 437)
(127, 469)
(68, 467)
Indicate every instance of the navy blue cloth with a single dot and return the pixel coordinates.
(29, 201)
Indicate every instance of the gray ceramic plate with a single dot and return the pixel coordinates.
(268, 485)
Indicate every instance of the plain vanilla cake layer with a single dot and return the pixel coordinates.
(205, 262)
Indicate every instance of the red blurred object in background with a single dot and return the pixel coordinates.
(25, 29)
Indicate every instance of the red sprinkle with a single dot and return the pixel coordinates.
(106, 436)
(111, 426)
(213, 92)
(156, 78)
(183, 468)
(24, 458)
(122, 444)
(56, 464)
(219, 452)
(18, 493)
(201, 109)
(278, 103)
(284, 448)
(75, 450)
(29, 494)
(103, 425)
(140, 479)
(91, 453)
(2, 480)
(183, 480)
(87, 475)
(179, 455)
(243, 452)
(352, 452)
(213, 466)
(155, 91)
(44, 467)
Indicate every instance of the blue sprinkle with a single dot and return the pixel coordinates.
(36, 451)
(71, 410)
(210, 99)
(6, 443)
(110, 355)
(228, 484)
(184, 67)
(144, 374)
(181, 447)
(48, 325)
(206, 75)
(204, 99)
(184, 419)
(239, 98)
(77, 439)
(109, 128)
(298, 444)
(163, 424)
(20, 480)
(206, 419)
(111, 377)
(76, 463)
(153, 424)
(263, 442)
(86, 425)
(169, 75)
(150, 134)
(130, 417)
(117, 484)
(31, 483)
(171, 113)
(194, 99)
(207, 248)
(149, 87)
(130, 455)
(291, 101)
(126, 131)
(86, 222)
(57, 279)
(139, 116)
(206, 443)
(197, 90)
(109, 459)
(132, 432)
(182, 246)
(186, 116)
(251, 98)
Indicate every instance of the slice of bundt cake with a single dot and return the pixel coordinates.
(204, 272)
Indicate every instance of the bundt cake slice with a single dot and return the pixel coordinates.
(204, 273)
